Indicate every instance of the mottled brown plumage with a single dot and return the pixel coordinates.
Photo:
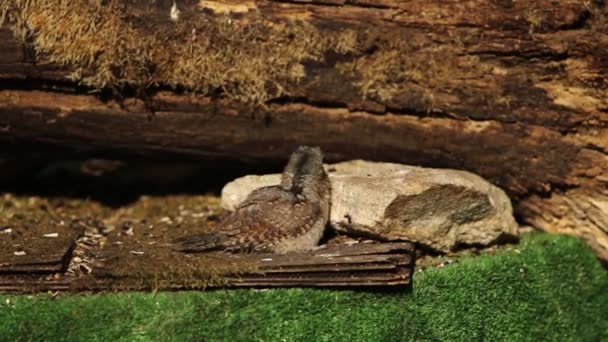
(284, 218)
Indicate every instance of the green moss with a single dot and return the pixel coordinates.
(550, 288)
(111, 45)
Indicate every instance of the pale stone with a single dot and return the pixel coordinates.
(439, 208)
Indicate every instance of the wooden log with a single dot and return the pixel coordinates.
(513, 91)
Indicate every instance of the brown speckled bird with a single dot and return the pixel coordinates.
(284, 218)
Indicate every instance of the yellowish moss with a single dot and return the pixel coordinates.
(535, 18)
(376, 74)
(504, 101)
(251, 60)
(397, 66)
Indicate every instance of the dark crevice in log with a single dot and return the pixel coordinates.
(580, 22)
(337, 3)
(31, 83)
(386, 110)
(366, 4)
(329, 3)
(550, 190)
(285, 100)
(596, 148)
(545, 56)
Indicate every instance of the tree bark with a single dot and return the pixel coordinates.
(513, 91)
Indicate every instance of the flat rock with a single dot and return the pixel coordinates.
(438, 208)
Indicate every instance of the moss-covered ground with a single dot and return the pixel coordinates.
(548, 288)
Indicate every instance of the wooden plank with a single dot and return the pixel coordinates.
(322, 278)
(43, 250)
(335, 268)
(398, 278)
(340, 268)
(353, 249)
(390, 264)
(300, 260)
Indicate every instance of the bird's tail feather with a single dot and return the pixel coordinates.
(198, 243)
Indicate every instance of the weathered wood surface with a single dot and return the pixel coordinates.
(46, 251)
(55, 262)
(515, 91)
(364, 264)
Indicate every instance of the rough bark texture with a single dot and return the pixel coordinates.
(515, 91)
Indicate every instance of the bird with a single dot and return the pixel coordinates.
(289, 217)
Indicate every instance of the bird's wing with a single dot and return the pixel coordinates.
(257, 225)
